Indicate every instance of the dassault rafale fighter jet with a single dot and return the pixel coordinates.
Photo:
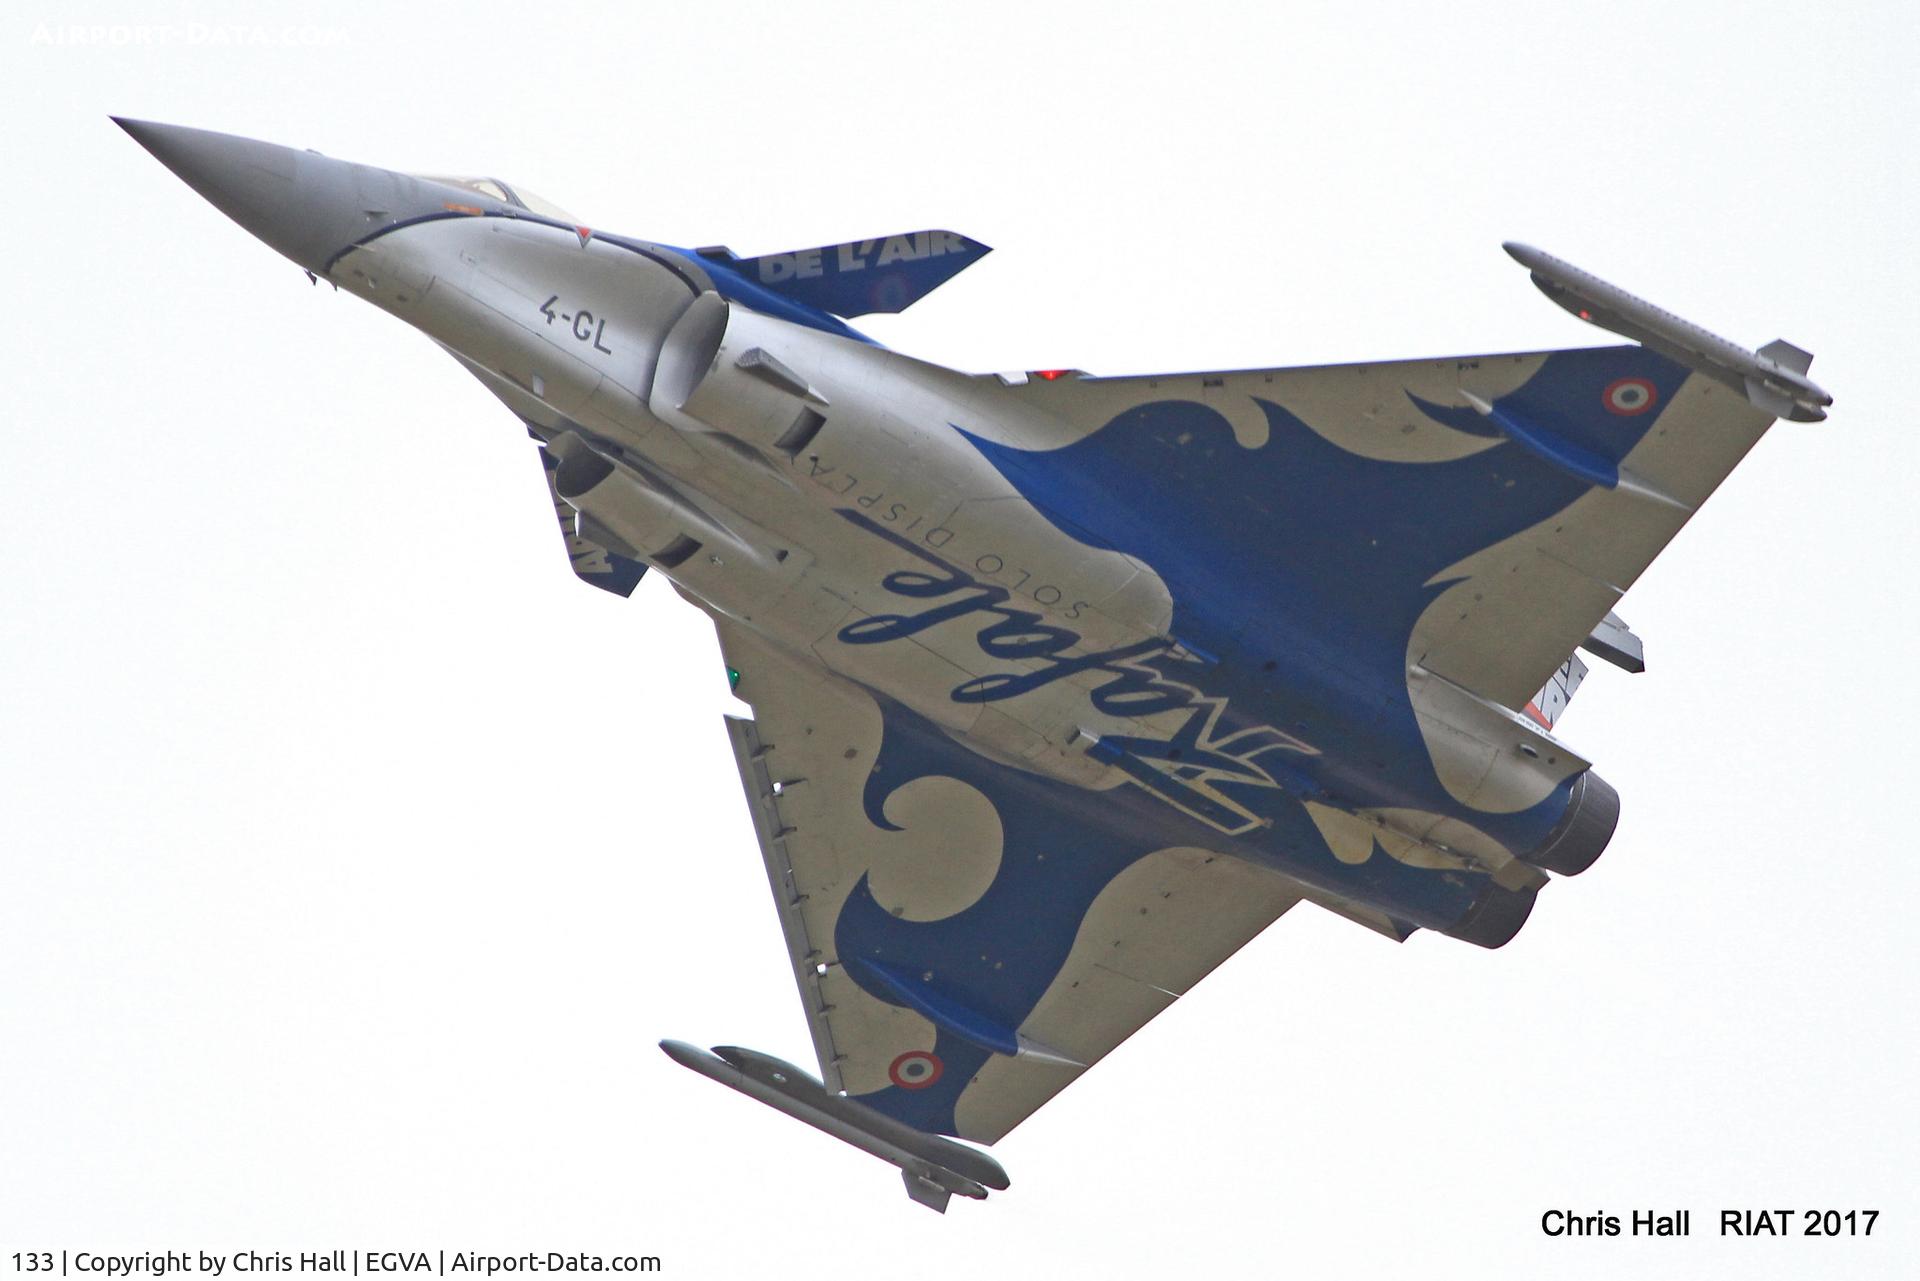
(1063, 687)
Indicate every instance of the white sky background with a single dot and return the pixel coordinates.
(353, 856)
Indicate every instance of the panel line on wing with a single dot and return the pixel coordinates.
(751, 755)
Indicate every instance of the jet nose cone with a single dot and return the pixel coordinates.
(301, 203)
(253, 183)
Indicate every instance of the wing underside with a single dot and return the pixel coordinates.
(1557, 477)
(966, 938)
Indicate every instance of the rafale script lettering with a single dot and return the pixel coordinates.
(1008, 633)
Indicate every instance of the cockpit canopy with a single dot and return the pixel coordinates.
(505, 193)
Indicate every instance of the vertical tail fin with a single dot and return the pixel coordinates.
(861, 277)
(1611, 639)
(1546, 706)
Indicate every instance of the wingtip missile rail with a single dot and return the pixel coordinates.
(933, 1168)
(1773, 378)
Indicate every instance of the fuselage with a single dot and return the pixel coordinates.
(855, 507)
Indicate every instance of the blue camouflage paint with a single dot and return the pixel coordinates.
(1540, 440)
(991, 962)
(886, 274)
(1300, 568)
(1304, 567)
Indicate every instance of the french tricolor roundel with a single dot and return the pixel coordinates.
(916, 1069)
(1628, 396)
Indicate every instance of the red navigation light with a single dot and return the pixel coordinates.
(1585, 314)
